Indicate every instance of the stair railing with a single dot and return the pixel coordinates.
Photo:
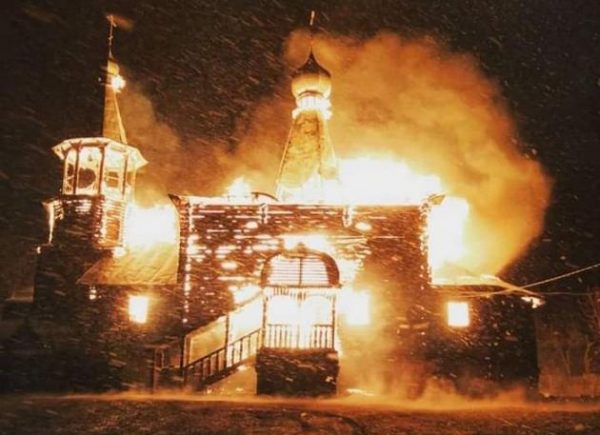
(219, 363)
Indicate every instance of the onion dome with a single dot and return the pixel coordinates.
(311, 78)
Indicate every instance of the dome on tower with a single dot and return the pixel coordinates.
(311, 78)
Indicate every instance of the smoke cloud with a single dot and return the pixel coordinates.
(407, 100)
(173, 166)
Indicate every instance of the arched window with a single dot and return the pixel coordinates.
(301, 268)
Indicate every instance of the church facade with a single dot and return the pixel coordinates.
(313, 293)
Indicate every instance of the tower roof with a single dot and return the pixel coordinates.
(311, 77)
(312, 66)
(112, 125)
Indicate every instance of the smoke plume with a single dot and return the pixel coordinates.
(416, 101)
(173, 166)
(409, 100)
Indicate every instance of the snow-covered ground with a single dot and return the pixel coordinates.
(186, 414)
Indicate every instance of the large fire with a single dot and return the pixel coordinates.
(238, 191)
(371, 181)
(147, 226)
(378, 181)
(457, 136)
(367, 180)
(362, 181)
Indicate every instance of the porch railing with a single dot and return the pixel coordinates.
(299, 336)
(222, 362)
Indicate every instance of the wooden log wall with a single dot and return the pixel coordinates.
(224, 246)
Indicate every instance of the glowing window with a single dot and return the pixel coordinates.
(114, 172)
(458, 314)
(138, 308)
(298, 271)
(69, 174)
(89, 167)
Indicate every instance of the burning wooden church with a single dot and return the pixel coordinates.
(304, 285)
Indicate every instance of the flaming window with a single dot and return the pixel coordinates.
(298, 272)
(138, 308)
(98, 166)
(458, 315)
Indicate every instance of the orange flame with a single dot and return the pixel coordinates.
(238, 190)
(377, 181)
(145, 227)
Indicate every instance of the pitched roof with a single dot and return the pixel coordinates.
(155, 265)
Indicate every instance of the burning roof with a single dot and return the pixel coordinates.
(151, 265)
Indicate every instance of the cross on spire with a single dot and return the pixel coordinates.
(312, 19)
(112, 126)
(311, 25)
(112, 25)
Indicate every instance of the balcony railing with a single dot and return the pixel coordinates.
(299, 336)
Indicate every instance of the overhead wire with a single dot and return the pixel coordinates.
(524, 289)
(564, 275)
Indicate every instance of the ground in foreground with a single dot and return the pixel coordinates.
(132, 414)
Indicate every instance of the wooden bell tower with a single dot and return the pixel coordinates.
(86, 220)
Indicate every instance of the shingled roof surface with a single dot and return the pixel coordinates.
(155, 265)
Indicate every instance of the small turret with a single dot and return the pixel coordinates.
(98, 176)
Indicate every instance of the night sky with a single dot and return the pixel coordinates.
(204, 64)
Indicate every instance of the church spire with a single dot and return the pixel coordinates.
(112, 126)
(308, 171)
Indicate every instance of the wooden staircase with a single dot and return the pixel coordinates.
(222, 362)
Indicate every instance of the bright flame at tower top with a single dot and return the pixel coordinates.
(309, 168)
(112, 127)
